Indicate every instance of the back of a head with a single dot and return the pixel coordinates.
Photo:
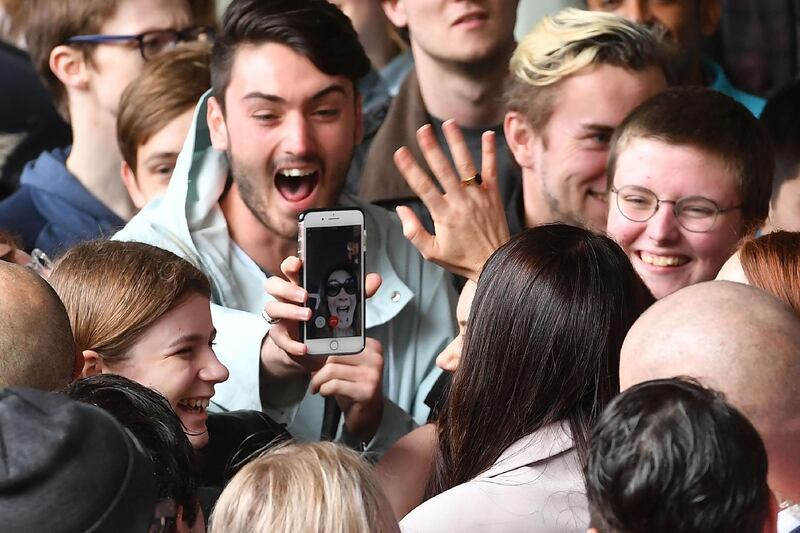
(114, 290)
(772, 262)
(318, 487)
(68, 466)
(169, 85)
(148, 415)
(715, 123)
(570, 42)
(670, 455)
(36, 341)
(567, 297)
(739, 340)
(781, 118)
(316, 29)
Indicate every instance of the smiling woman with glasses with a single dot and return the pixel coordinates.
(151, 43)
(709, 160)
(339, 305)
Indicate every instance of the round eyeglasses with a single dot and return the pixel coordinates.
(333, 287)
(694, 213)
(151, 43)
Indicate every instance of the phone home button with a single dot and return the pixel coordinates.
(334, 345)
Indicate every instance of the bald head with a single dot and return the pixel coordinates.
(739, 340)
(36, 345)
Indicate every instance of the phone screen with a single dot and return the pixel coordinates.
(333, 281)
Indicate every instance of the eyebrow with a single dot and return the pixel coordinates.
(192, 337)
(161, 155)
(330, 89)
(598, 128)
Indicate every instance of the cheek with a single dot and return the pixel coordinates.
(713, 249)
(619, 228)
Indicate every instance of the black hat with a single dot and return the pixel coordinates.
(69, 467)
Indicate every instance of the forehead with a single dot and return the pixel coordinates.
(277, 70)
(675, 170)
(603, 95)
(339, 275)
(136, 16)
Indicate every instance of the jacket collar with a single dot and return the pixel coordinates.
(538, 447)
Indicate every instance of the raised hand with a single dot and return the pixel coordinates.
(469, 219)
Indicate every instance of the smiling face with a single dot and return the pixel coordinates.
(289, 131)
(564, 167)
(174, 357)
(113, 66)
(456, 31)
(664, 254)
(341, 303)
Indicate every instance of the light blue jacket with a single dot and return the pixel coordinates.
(411, 314)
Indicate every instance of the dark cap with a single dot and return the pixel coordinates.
(70, 467)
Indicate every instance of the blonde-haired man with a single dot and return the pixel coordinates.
(573, 79)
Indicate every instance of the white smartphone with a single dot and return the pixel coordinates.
(331, 245)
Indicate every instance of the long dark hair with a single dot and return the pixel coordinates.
(542, 345)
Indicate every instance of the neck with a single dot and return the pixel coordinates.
(470, 94)
(382, 51)
(95, 160)
(260, 243)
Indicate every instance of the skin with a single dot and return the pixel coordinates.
(563, 166)
(732, 271)
(281, 113)
(155, 161)
(450, 357)
(724, 345)
(784, 209)
(673, 172)
(342, 299)
(683, 22)
(174, 356)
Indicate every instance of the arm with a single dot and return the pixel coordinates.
(404, 471)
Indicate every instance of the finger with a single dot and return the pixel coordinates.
(489, 159)
(371, 284)
(285, 290)
(287, 311)
(283, 341)
(291, 268)
(349, 389)
(458, 149)
(418, 180)
(437, 161)
(414, 232)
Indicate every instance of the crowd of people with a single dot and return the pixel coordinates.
(582, 253)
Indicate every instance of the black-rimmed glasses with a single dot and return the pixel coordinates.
(694, 213)
(151, 43)
(333, 287)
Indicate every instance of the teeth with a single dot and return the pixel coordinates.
(297, 172)
(662, 260)
(197, 403)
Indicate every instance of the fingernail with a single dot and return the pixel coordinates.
(300, 294)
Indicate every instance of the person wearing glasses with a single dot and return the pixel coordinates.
(87, 52)
(340, 302)
(689, 175)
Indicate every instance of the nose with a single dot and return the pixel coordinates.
(298, 138)
(637, 11)
(212, 370)
(663, 227)
(449, 358)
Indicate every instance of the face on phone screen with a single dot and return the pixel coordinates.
(333, 275)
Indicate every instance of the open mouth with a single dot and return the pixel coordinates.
(663, 260)
(194, 405)
(471, 18)
(296, 184)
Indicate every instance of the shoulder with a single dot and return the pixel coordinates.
(19, 215)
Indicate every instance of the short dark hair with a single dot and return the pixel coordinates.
(714, 123)
(781, 118)
(670, 455)
(315, 29)
(149, 416)
(551, 310)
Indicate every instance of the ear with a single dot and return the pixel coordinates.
(92, 363)
(69, 66)
(216, 125)
(396, 12)
(521, 139)
(129, 180)
(710, 13)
